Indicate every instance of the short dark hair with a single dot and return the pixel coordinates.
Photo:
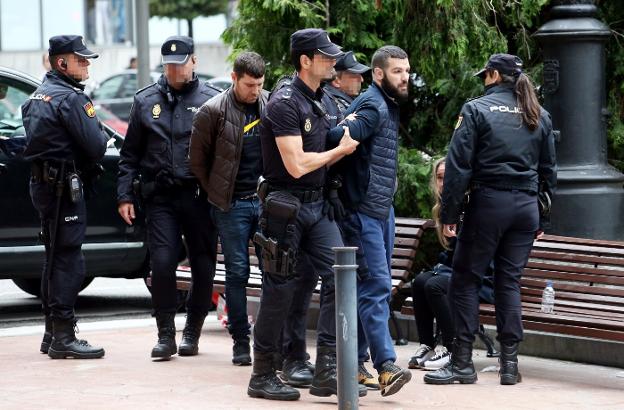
(249, 62)
(382, 55)
(295, 57)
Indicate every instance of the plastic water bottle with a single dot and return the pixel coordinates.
(548, 298)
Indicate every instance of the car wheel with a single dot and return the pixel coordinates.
(33, 286)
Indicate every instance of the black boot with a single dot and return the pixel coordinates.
(296, 373)
(65, 345)
(47, 335)
(508, 361)
(241, 352)
(324, 382)
(189, 346)
(166, 346)
(265, 384)
(459, 369)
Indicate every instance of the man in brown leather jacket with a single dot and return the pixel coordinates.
(225, 156)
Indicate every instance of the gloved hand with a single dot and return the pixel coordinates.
(333, 207)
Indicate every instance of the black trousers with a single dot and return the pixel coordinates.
(294, 332)
(430, 300)
(499, 226)
(59, 291)
(315, 235)
(168, 218)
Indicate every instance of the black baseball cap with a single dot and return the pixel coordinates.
(177, 50)
(349, 63)
(70, 44)
(504, 63)
(314, 39)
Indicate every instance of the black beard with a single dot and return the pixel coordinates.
(392, 91)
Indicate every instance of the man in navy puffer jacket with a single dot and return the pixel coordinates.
(368, 187)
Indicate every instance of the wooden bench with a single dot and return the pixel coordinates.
(588, 278)
(408, 232)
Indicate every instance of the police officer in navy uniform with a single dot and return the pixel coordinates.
(293, 137)
(154, 170)
(64, 141)
(347, 83)
(502, 152)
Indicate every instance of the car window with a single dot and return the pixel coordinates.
(108, 89)
(11, 100)
(129, 87)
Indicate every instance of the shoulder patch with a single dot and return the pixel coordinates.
(89, 109)
(142, 90)
(474, 98)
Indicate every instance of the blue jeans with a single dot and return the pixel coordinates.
(236, 227)
(375, 238)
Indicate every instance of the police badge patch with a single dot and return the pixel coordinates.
(89, 109)
(156, 111)
(459, 121)
(308, 125)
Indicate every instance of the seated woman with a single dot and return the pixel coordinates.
(429, 293)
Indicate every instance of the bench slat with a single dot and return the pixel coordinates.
(549, 273)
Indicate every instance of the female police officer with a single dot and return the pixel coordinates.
(502, 152)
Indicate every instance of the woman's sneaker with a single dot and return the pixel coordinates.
(423, 353)
(441, 358)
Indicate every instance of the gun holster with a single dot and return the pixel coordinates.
(278, 221)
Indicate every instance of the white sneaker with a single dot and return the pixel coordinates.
(441, 358)
(423, 353)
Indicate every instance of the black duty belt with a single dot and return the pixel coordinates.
(310, 195)
(44, 171)
(476, 186)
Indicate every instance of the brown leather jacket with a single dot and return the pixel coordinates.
(216, 145)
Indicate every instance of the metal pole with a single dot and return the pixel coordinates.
(346, 327)
(142, 43)
(588, 188)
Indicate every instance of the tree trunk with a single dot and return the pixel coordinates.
(190, 27)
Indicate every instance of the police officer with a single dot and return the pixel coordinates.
(154, 158)
(293, 137)
(502, 151)
(347, 83)
(64, 141)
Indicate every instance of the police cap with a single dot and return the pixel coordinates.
(177, 50)
(349, 63)
(503, 63)
(70, 44)
(314, 39)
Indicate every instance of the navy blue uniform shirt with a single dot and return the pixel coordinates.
(61, 123)
(294, 110)
(491, 146)
(159, 131)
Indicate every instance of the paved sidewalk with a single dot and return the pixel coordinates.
(126, 378)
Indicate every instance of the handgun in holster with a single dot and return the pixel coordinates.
(277, 222)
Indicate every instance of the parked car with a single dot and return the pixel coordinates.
(111, 120)
(111, 248)
(222, 83)
(116, 93)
